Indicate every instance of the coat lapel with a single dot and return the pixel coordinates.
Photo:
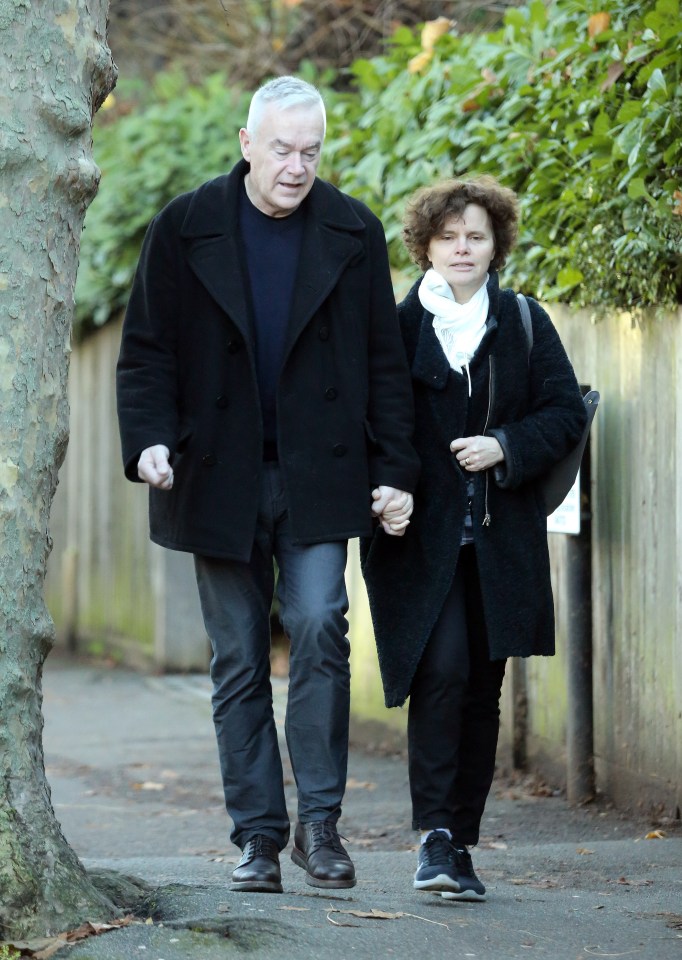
(211, 229)
(331, 238)
(430, 365)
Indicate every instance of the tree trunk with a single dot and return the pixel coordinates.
(56, 70)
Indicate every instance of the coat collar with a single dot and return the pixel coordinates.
(430, 365)
(332, 236)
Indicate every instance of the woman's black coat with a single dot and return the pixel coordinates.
(535, 410)
(186, 374)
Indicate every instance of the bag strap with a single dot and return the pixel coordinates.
(525, 319)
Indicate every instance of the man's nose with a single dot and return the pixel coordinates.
(296, 163)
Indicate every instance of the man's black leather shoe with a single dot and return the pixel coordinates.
(318, 850)
(258, 870)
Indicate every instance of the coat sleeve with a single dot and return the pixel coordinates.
(393, 460)
(146, 373)
(556, 414)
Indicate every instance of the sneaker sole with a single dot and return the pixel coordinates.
(469, 895)
(438, 884)
(300, 861)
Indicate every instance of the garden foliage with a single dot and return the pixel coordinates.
(575, 105)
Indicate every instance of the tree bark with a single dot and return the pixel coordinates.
(56, 70)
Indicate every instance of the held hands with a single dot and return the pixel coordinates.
(153, 467)
(477, 453)
(393, 508)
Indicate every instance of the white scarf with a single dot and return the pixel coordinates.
(459, 326)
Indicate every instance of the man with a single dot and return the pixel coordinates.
(263, 392)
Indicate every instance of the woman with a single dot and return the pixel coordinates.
(468, 584)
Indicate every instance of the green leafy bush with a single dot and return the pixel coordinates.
(587, 129)
(576, 107)
(149, 154)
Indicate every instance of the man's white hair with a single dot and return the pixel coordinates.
(286, 92)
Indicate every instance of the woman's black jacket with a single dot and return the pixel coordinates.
(534, 408)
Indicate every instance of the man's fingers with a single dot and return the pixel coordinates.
(381, 496)
(154, 468)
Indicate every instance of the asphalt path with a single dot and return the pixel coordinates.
(132, 764)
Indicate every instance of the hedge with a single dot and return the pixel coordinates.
(577, 107)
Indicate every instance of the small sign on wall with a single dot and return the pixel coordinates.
(566, 517)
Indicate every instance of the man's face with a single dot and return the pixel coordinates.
(284, 154)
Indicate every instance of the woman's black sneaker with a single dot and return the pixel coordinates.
(437, 865)
(470, 887)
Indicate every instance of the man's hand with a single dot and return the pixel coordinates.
(153, 467)
(393, 508)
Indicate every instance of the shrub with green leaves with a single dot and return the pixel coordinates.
(179, 136)
(576, 106)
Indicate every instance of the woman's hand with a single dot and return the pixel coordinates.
(393, 508)
(477, 453)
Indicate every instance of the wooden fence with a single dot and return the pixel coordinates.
(112, 591)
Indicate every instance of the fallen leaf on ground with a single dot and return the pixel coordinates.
(343, 924)
(43, 947)
(375, 914)
(354, 784)
(149, 785)
(303, 909)
(372, 914)
(655, 835)
(46, 947)
(584, 852)
(540, 884)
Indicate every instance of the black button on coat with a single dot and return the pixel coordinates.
(537, 414)
(188, 339)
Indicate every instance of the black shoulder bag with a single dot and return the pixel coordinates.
(559, 479)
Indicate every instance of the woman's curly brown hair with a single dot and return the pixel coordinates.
(429, 208)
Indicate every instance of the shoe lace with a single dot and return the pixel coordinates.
(261, 846)
(465, 867)
(437, 849)
(324, 834)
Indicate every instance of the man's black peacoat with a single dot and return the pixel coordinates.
(186, 374)
(536, 412)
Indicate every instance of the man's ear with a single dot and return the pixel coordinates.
(245, 143)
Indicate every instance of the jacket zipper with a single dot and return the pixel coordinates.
(487, 518)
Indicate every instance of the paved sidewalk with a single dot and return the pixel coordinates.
(133, 768)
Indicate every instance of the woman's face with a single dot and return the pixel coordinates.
(462, 251)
